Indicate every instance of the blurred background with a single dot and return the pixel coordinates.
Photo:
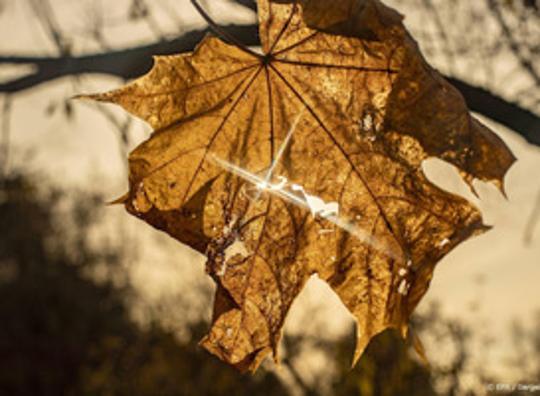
(95, 302)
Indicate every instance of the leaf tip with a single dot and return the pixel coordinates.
(83, 97)
(469, 180)
(99, 97)
(418, 346)
(120, 200)
(362, 341)
(499, 183)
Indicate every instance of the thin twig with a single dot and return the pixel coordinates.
(149, 18)
(428, 4)
(6, 136)
(296, 375)
(533, 222)
(527, 65)
(45, 15)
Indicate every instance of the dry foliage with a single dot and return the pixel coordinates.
(307, 160)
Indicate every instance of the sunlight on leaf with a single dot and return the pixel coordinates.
(307, 160)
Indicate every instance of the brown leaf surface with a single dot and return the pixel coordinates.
(341, 104)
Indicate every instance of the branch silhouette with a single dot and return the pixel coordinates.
(133, 62)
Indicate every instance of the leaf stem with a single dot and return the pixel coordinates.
(222, 33)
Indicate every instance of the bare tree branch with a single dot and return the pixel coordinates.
(511, 115)
(127, 63)
(133, 62)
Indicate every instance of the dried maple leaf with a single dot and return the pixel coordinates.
(307, 160)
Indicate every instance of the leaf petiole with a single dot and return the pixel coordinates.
(221, 32)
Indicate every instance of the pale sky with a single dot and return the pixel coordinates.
(496, 270)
